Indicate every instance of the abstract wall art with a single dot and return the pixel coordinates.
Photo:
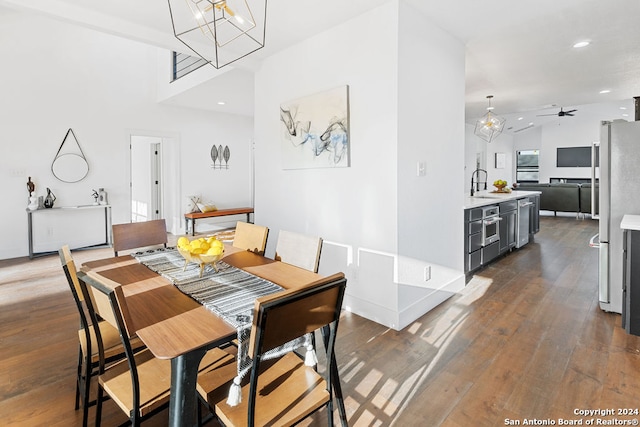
(315, 130)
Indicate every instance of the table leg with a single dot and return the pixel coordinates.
(183, 402)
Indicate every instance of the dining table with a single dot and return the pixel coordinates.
(173, 325)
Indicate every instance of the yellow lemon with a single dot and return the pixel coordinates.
(217, 243)
(182, 242)
(214, 251)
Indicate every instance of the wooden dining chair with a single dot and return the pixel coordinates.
(299, 249)
(250, 237)
(141, 384)
(139, 235)
(282, 392)
(95, 336)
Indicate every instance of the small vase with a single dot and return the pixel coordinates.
(102, 197)
(50, 199)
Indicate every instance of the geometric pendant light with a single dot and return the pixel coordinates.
(219, 31)
(489, 126)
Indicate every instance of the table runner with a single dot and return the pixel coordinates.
(229, 293)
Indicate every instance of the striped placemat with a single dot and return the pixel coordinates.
(229, 292)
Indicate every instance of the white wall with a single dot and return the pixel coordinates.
(103, 87)
(357, 210)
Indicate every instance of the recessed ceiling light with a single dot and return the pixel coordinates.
(581, 44)
(530, 123)
(520, 118)
(623, 108)
(605, 91)
(221, 103)
(625, 115)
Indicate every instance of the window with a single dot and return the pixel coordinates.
(527, 169)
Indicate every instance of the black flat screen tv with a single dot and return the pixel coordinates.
(568, 157)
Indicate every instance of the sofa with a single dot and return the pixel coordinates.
(563, 197)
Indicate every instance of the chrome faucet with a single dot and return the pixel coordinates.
(478, 182)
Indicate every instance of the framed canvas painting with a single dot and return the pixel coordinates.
(315, 130)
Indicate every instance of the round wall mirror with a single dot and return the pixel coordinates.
(70, 167)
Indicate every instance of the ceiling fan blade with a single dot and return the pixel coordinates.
(570, 111)
(568, 114)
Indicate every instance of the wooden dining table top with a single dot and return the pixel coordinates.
(171, 323)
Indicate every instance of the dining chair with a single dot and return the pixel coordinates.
(139, 235)
(95, 336)
(141, 384)
(250, 237)
(283, 391)
(299, 249)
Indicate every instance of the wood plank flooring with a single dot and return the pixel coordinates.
(524, 340)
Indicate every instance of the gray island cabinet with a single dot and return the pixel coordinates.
(497, 223)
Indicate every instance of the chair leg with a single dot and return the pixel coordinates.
(78, 378)
(338, 393)
(86, 390)
(99, 406)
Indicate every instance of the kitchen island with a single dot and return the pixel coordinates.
(497, 223)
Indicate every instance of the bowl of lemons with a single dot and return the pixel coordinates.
(500, 185)
(202, 251)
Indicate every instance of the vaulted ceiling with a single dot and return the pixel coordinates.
(520, 52)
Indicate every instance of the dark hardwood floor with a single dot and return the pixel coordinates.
(524, 340)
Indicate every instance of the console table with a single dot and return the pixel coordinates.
(107, 225)
(192, 216)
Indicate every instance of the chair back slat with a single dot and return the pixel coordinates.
(139, 234)
(250, 237)
(69, 267)
(298, 249)
(282, 317)
(102, 304)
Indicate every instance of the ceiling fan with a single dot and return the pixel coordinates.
(561, 113)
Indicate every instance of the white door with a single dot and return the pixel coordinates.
(146, 184)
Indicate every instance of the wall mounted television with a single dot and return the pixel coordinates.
(568, 157)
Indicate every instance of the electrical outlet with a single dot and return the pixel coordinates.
(427, 273)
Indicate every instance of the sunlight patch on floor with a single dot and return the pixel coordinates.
(369, 382)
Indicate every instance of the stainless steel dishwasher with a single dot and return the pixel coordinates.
(524, 212)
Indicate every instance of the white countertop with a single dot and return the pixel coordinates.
(630, 222)
(485, 198)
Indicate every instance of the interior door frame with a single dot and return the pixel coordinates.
(170, 174)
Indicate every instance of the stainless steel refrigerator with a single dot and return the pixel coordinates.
(619, 188)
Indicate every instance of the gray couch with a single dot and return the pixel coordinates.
(563, 197)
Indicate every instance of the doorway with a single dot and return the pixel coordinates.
(146, 168)
(146, 182)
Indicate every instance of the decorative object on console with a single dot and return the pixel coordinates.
(219, 31)
(31, 187)
(70, 165)
(102, 197)
(315, 130)
(95, 196)
(33, 202)
(50, 199)
(490, 125)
